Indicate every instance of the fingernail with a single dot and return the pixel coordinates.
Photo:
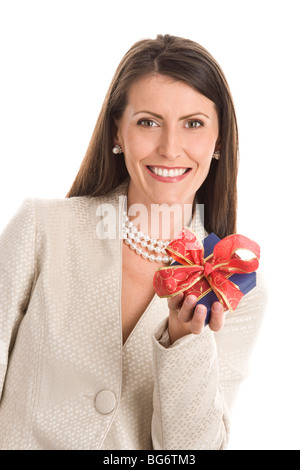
(191, 299)
(218, 308)
(201, 309)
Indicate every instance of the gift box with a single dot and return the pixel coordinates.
(211, 270)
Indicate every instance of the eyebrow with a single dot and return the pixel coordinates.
(182, 117)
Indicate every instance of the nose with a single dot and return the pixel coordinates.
(170, 144)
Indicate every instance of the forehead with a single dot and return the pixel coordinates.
(161, 90)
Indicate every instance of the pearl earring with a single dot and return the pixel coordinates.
(216, 155)
(117, 150)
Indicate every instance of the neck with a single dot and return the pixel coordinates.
(160, 221)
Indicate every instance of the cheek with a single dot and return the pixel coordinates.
(138, 145)
(203, 159)
(202, 151)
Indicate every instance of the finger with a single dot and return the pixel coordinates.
(174, 303)
(186, 312)
(217, 318)
(198, 320)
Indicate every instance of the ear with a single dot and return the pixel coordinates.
(218, 144)
(115, 133)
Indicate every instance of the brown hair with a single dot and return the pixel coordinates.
(187, 61)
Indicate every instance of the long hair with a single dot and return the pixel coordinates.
(185, 60)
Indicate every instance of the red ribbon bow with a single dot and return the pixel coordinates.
(196, 275)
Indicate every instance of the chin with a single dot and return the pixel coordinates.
(169, 199)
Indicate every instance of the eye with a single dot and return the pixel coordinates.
(147, 123)
(194, 124)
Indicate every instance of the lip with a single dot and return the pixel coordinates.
(164, 179)
(169, 167)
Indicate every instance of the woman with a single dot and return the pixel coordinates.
(91, 358)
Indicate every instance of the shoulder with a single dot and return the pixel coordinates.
(54, 216)
(82, 201)
(56, 212)
(59, 206)
(79, 206)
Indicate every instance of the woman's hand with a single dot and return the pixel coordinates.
(182, 320)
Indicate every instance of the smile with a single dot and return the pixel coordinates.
(167, 175)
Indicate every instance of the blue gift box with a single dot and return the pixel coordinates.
(245, 282)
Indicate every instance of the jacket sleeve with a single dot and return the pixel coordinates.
(196, 378)
(17, 267)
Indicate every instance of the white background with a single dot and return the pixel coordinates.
(57, 60)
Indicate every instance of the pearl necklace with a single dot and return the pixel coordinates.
(137, 240)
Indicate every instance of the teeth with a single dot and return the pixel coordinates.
(168, 173)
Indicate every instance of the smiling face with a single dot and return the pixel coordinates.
(168, 133)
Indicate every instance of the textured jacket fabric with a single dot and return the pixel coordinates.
(66, 379)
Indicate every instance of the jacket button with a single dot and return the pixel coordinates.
(105, 402)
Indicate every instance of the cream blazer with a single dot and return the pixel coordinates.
(66, 380)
